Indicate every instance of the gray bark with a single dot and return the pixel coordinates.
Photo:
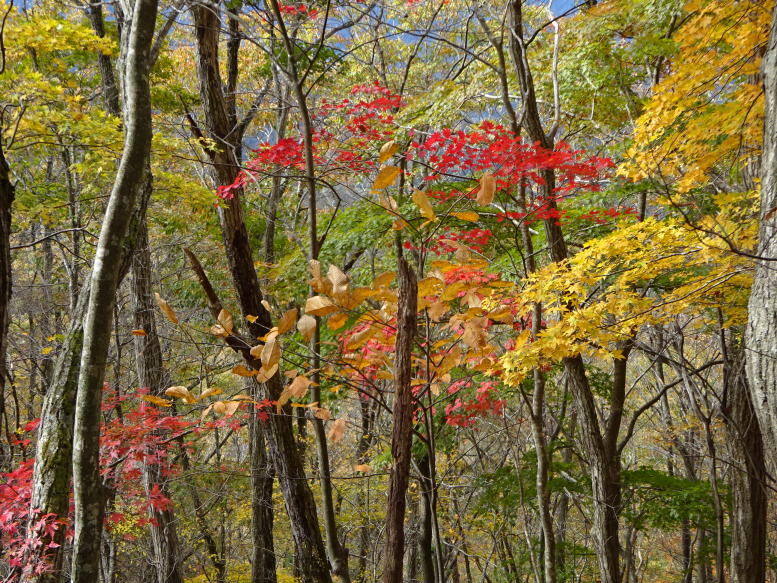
(761, 334)
(87, 483)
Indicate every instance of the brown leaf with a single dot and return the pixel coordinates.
(287, 321)
(299, 386)
(265, 374)
(209, 392)
(487, 189)
(271, 353)
(219, 407)
(339, 281)
(166, 309)
(242, 371)
(319, 306)
(306, 326)
(230, 407)
(225, 320)
(362, 468)
(338, 430)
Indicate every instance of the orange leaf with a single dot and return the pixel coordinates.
(166, 309)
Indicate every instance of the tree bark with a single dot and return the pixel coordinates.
(402, 429)
(761, 334)
(153, 376)
(748, 482)
(87, 483)
(7, 193)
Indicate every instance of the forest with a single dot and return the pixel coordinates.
(383, 291)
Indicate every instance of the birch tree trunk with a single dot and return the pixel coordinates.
(87, 483)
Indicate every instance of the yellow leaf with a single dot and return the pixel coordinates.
(266, 305)
(242, 371)
(252, 319)
(386, 177)
(470, 216)
(487, 188)
(166, 309)
(306, 326)
(157, 400)
(225, 320)
(338, 430)
(319, 306)
(387, 151)
(383, 280)
(287, 321)
(181, 393)
(209, 392)
(423, 204)
(46, 350)
(337, 321)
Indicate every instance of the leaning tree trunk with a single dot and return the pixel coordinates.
(402, 430)
(153, 376)
(221, 126)
(87, 482)
(761, 335)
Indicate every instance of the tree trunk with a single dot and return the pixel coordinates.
(7, 192)
(761, 334)
(402, 430)
(153, 376)
(262, 512)
(748, 483)
(87, 483)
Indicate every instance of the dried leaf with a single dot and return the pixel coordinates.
(362, 468)
(166, 309)
(386, 177)
(287, 321)
(230, 407)
(251, 318)
(321, 413)
(299, 386)
(265, 374)
(271, 353)
(139, 332)
(225, 320)
(383, 280)
(218, 330)
(487, 188)
(337, 321)
(387, 151)
(306, 326)
(266, 305)
(339, 281)
(219, 407)
(319, 306)
(338, 430)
